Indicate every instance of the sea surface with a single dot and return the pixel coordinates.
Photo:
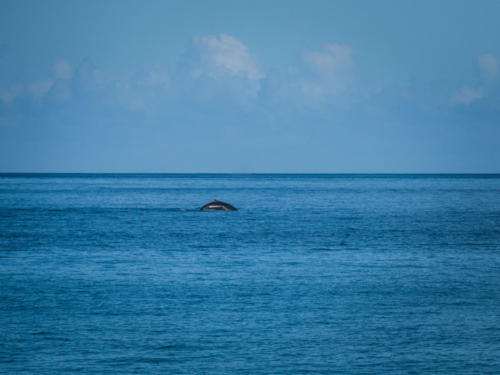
(314, 274)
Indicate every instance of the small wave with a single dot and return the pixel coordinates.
(174, 347)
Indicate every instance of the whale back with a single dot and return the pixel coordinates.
(218, 206)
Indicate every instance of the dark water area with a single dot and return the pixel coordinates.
(314, 274)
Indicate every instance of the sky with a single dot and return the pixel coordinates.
(250, 86)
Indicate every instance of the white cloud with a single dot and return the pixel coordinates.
(157, 76)
(61, 73)
(9, 94)
(489, 67)
(226, 55)
(330, 71)
(57, 86)
(467, 96)
(333, 60)
(489, 70)
(313, 89)
(62, 70)
(39, 89)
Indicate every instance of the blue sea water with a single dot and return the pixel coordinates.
(315, 274)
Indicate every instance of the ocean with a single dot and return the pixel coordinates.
(314, 274)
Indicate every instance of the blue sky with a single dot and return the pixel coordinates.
(233, 86)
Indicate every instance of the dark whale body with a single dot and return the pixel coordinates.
(218, 206)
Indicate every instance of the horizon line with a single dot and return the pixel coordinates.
(250, 173)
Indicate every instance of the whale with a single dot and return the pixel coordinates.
(218, 206)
